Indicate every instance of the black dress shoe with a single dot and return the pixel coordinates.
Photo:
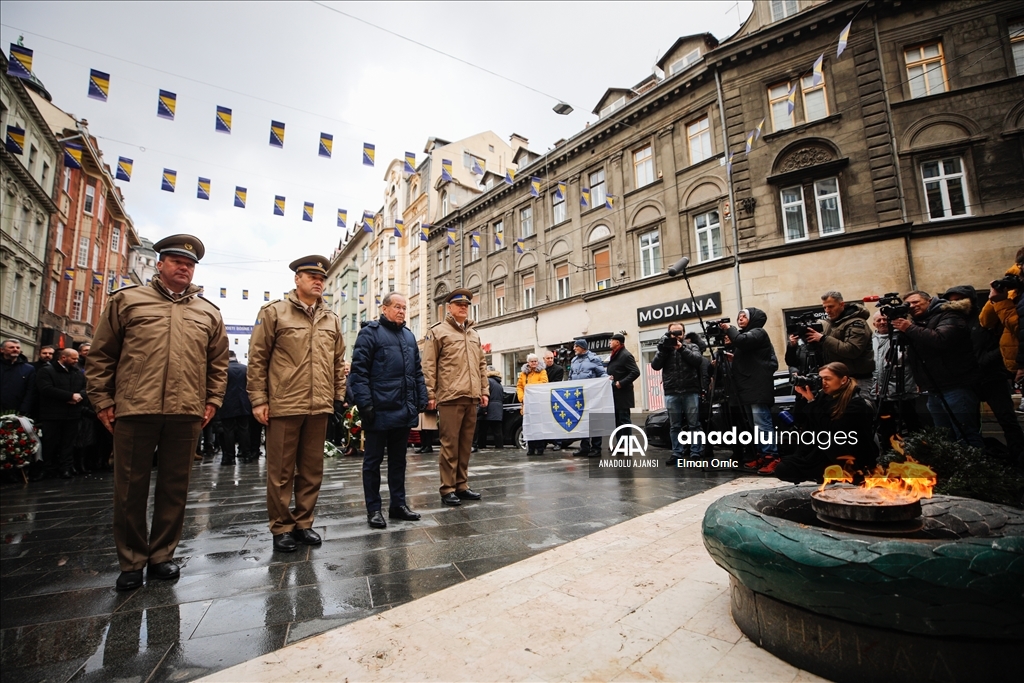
(163, 571)
(474, 449)
(451, 499)
(468, 494)
(284, 543)
(404, 512)
(129, 581)
(229, 463)
(581, 454)
(66, 474)
(307, 537)
(376, 520)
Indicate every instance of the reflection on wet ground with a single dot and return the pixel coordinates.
(62, 620)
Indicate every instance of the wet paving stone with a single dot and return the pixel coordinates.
(62, 620)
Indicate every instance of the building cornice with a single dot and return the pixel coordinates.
(22, 174)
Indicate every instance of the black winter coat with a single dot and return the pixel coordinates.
(681, 368)
(623, 368)
(236, 398)
(17, 385)
(56, 386)
(556, 373)
(387, 376)
(941, 353)
(495, 401)
(754, 362)
(809, 461)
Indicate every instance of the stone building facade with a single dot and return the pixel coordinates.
(27, 205)
(90, 249)
(902, 168)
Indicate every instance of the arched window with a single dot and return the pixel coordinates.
(599, 233)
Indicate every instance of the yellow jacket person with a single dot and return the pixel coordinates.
(296, 373)
(157, 373)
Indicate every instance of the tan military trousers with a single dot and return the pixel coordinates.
(173, 438)
(295, 461)
(456, 426)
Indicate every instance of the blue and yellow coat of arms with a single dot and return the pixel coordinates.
(567, 406)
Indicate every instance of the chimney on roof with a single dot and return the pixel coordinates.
(517, 141)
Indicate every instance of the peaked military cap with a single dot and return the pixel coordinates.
(181, 245)
(311, 264)
(459, 295)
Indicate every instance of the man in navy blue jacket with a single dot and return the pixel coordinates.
(386, 383)
(234, 414)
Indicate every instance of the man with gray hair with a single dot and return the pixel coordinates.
(847, 337)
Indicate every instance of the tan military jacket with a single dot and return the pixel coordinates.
(296, 361)
(154, 354)
(453, 362)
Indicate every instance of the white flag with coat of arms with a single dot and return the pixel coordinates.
(573, 409)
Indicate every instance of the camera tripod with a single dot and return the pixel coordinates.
(894, 375)
(895, 362)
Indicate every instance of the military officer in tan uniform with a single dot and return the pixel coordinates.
(156, 375)
(296, 374)
(456, 377)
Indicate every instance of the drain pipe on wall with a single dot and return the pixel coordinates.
(732, 199)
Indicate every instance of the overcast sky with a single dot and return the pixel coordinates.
(319, 71)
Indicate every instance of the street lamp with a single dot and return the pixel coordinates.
(563, 108)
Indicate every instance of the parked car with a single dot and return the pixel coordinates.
(657, 428)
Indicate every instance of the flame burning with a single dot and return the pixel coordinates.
(900, 482)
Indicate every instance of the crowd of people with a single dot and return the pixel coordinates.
(145, 393)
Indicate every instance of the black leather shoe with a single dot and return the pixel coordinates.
(474, 449)
(450, 499)
(229, 463)
(129, 581)
(468, 494)
(376, 520)
(163, 571)
(284, 543)
(404, 512)
(66, 474)
(581, 454)
(307, 537)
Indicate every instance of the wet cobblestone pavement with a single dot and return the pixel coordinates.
(62, 620)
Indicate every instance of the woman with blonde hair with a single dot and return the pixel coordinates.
(533, 373)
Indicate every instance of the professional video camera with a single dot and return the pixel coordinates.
(890, 305)
(812, 382)
(714, 334)
(806, 322)
(1008, 282)
(563, 356)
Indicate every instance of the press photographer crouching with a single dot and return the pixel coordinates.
(942, 357)
(752, 367)
(839, 417)
(681, 365)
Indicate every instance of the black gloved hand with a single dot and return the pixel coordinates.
(367, 417)
(339, 407)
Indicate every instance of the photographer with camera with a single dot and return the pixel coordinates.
(992, 381)
(752, 366)
(837, 406)
(681, 365)
(903, 406)
(942, 357)
(847, 338)
(999, 314)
